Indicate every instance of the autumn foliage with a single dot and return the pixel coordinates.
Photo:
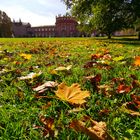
(67, 89)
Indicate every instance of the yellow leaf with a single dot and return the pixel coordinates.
(119, 58)
(54, 72)
(137, 61)
(26, 56)
(72, 94)
(63, 68)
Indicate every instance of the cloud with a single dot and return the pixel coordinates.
(37, 12)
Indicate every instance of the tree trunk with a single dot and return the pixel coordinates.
(139, 35)
(109, 36)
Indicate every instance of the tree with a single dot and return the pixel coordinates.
(5, 25)
(105, 16)
(137, 27)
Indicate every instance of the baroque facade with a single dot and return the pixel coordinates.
(65, 26)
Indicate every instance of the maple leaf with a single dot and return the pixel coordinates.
(72, 94)
(137, 61)
(26, 56)
(96, 130)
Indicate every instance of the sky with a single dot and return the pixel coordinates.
(36, 12)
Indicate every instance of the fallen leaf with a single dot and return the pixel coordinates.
(118, 80)
(31, 75)
(135, 101)
(95, 80)
(44, 107)
(105, 89)
(72, 94)
(124, 108)
(119, 58)
(90, 64)
(137, 61)
(135, 84)
(96, 56)
(48, 127)
(26, 56)
(63, 68)
(96, 130)
(53, 72)
(75, 110)
(45, 86)
(107, 57)
(104, 112)
(123, 88)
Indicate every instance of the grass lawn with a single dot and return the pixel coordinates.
(69, 88)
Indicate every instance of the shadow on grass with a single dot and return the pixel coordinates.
(132, 41)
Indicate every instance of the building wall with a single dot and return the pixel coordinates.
(20, 29)
(125, 32)
(44, 31)
(65, 26)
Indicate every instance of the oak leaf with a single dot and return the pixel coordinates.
(72, 94)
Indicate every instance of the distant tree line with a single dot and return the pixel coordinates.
(5, 25)
(105, 16)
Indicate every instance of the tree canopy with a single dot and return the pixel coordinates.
(105, 16)
(5, 25)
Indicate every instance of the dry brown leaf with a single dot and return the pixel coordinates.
(123, 88)
(31, 75)
(96, 130)
(45, 86)
(48, 126)
(125, 109)
(75, 110)
(72, 94)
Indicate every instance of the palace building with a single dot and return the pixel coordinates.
(65, 26)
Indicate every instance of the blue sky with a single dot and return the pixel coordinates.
(37, 12)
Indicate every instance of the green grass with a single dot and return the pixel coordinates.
(20, 110)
